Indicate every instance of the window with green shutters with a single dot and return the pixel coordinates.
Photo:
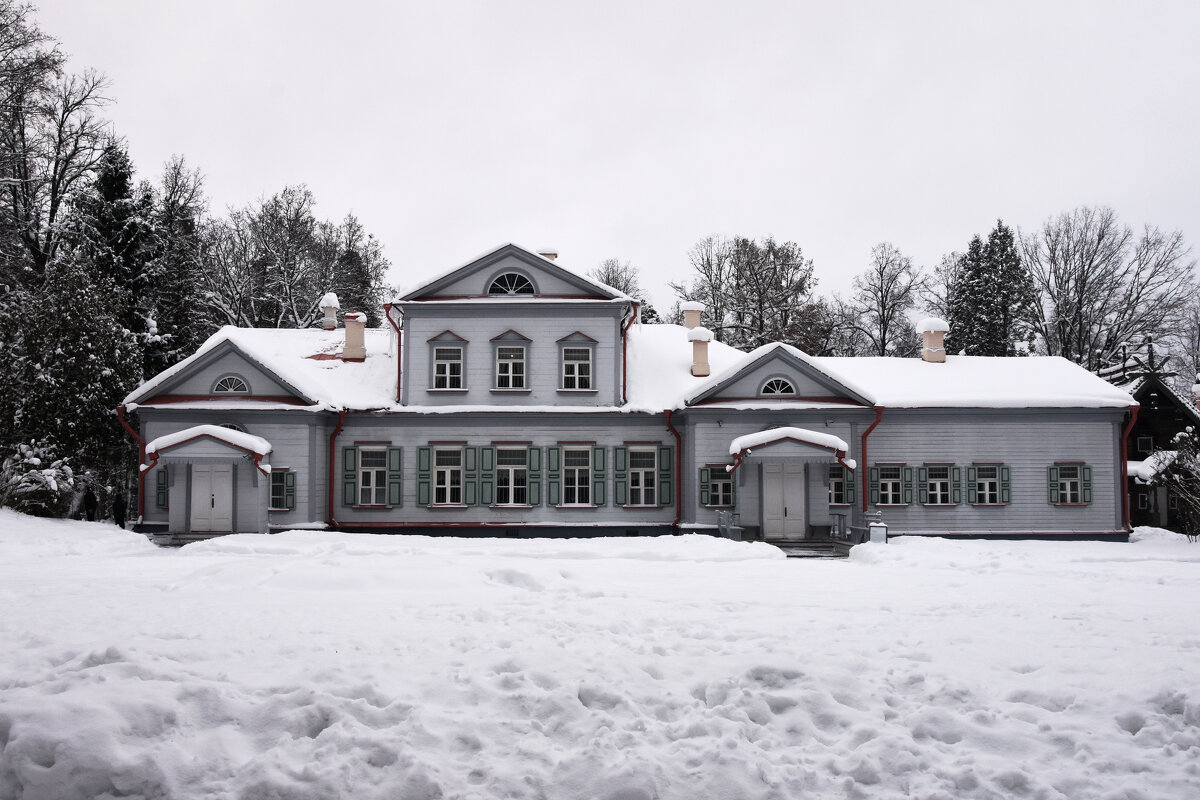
(576, 476)
(510, 475)
(372, 476)
(1069, 484)
(283, 489)
(841, 486)
(939, 485)
(451, 475)
(890, 484)
(989, 485)
(717, 487)
(161, 488)
(644, 475)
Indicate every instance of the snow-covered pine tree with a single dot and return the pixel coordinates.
(990, 298)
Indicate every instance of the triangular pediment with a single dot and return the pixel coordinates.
(778, 373)
(545, 279)
(198, 377)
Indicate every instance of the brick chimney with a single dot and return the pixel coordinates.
(933, 334)
(691, 313)
(548, 253)
(329, 307)
(700, 337)
(356, 324)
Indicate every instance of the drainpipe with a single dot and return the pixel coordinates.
(866, 484)
(678, 468)
(332, 451)
(387, 312)
(624, 355)
(141, 460)
(1133, 415)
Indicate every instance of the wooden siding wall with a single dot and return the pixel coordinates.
(201, 381)
(477, 282)
(748, 385)
(543, 326)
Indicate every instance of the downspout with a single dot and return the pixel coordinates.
(387, 312)
(1133, 415)
(625, 357)
(332, 451)
(678, 468)
(141, 460)
(866, 484)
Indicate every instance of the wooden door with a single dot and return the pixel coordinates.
(784, 513)
(212, 497)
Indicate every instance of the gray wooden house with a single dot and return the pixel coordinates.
(513, 396)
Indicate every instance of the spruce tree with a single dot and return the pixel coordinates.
(991, 298)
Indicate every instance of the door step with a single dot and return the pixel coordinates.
(812, 549)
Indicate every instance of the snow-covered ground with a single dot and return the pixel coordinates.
(316, 665)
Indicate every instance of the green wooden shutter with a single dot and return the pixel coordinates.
(487, 475)
(599, 478)
(1005, 485)
(972, 486)
(873, 480)
(851, 481)
(289, 490)
(395, 476)
(160, 488)
(554, 476)
(956, 485)
(1052, 485)
(350, 476)
(1085, 484)
(424, 476)
(705, 476)
(535, 476)
(923, 485)
(908, 485)
(621, 476)
(470, 475)
(666, 475)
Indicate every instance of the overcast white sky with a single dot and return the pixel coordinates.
(633, 129)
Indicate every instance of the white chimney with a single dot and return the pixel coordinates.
(356, 324)
(933, 335)
(700, 337)
(548, 253)
(329, 307)
(691, 313)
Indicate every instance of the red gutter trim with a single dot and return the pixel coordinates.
(625, 358)
(332, 451)
(866, 486)
(164, 399)
(257, 457)
(1133, 415)
(609, 523)
(141, 460)
(678, 467)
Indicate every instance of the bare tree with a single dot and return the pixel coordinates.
(624, 277)
(1101, 284)
(881, 301)
(712, 265)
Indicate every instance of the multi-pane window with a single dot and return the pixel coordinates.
(372, 477)
(938, 485)
(1145, 444)
(577, 368)
(1070, 487)
(511, 283)
(778, 386)
(577, 476)
(512, 476)
(720, 488)
(448, 477)
(643, 477)
(447, 368)
(837, 486)
(230, 384)
(987, 485)
(891, 486)
(510, 367)
(278, 488)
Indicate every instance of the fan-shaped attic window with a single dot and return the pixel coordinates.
(778, 386)
(231, 384)
(233, 426)
(511, 283)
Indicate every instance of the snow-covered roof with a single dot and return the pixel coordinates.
(817, 438)
(239, 439)
(660, 365)
(1152, 467)
(700, 334)
(691, 305)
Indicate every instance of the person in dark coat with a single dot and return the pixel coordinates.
(90, 504)
(118, 509)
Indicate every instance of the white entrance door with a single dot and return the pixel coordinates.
(212, 497)
(784, 515)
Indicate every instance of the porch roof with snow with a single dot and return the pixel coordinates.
(743, 446)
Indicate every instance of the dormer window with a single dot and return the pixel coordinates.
(511, 283)
(231, 384)
(778, 386)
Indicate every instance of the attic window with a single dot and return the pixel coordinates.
(778, 386)
(233, 426)
(511, 283)
(231, 384)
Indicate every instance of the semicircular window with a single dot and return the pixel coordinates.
(778, 386)
(233, 426)
(231, 384)
(511, 283)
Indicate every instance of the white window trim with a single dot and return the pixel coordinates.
(839, 477)
(591, 376)
(377, 490)
(898, 481)
(439, 471)
(947, 481)
(642, 471)
(231, 377)
(980, 482)
(523, 361)
(511, 470)
(715, 477)
(271, 504)
(587, 483)
(1063, 483)
(462, 368)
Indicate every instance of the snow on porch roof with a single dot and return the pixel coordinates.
(824, 440)
(240, 440)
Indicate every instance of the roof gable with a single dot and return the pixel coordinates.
(548, 279)
(771, 362)
(196, 376)
(1153, 384)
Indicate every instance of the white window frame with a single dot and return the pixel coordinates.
(443, 478)
(504, 368)
(720, 488)
(515, 279)
(372, 481)
(577, 479)
(279, 480)
(891, 489)
(512, 479)
(645, 478)
(1070, 487)
(571, 379)
(837, 486)
(447, 374)
(987, 489)
(943, 494)
(778, 386)
(232, 388)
